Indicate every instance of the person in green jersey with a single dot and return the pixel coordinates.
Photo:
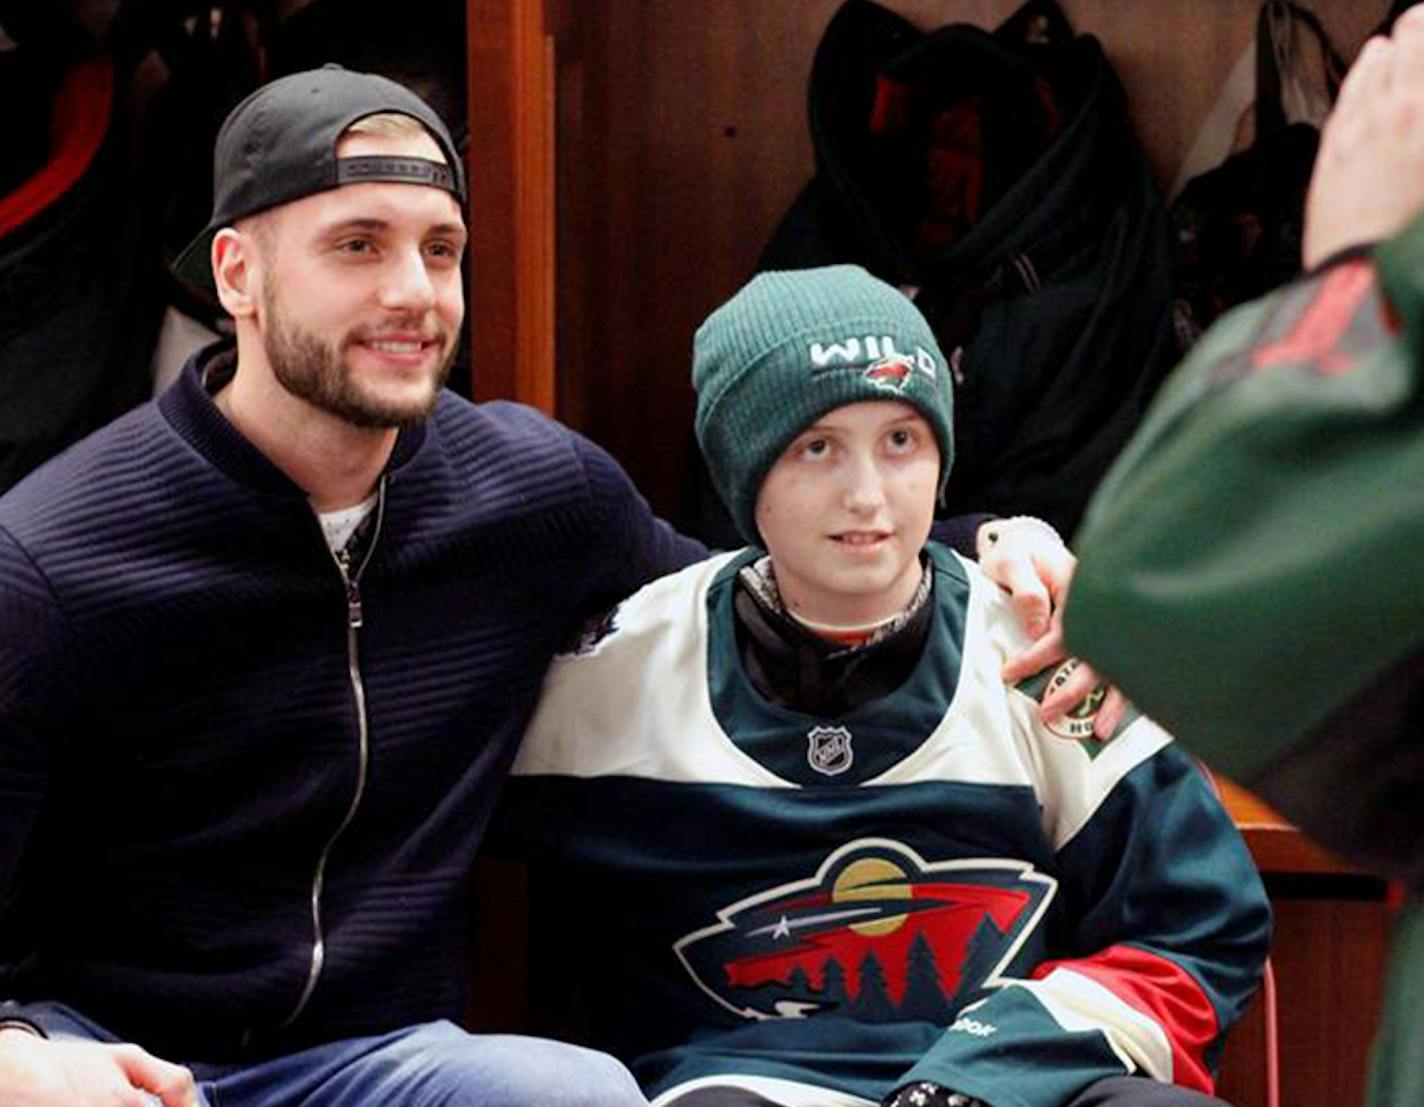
(1242, 536)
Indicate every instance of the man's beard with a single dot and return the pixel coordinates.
(315, 371)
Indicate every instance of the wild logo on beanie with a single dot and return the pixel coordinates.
(791, 346)
(884, 367)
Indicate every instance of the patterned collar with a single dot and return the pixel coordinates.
(759, 579)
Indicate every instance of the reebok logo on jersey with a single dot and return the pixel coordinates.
(878, 933)
(974, 1027)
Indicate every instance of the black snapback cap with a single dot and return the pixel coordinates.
(279, 144)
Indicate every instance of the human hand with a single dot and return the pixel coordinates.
(1368, 180)
(1075, 684)
(1026, 557)
(38, 1072)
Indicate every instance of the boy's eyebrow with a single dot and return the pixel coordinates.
(908, 417)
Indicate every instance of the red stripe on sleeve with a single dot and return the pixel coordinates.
(1164, 992)
(1315, 340)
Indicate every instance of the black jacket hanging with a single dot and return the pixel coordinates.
(1237, 229)
(77, 318)
(995, 178)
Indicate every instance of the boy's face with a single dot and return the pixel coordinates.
(846, 510)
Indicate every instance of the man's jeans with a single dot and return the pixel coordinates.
(432, 1065)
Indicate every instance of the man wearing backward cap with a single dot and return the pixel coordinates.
(267, 646)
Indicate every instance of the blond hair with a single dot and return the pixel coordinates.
(391, 124)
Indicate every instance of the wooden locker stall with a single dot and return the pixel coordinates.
(630, 159)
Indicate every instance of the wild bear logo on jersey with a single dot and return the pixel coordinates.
(878, 933)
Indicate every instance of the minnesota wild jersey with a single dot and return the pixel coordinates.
(934, 886)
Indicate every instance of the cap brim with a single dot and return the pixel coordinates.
(194, 266)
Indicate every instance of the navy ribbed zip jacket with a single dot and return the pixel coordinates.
(239, 795)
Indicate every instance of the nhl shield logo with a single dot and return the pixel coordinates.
(828, 749)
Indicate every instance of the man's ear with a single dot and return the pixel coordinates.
(235, 271)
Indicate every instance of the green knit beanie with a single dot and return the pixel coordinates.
(793, 345)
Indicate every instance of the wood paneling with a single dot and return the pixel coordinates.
(511, 170)
(1276, 845)
(682, 138)
(1329, 958)
(1328, 951)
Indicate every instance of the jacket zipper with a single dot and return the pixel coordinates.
(354, 621)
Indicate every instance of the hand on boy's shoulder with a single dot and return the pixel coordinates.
(1027, 558)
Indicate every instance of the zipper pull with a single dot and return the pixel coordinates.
(353, 605)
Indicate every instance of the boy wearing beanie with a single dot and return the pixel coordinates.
(826, 856)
